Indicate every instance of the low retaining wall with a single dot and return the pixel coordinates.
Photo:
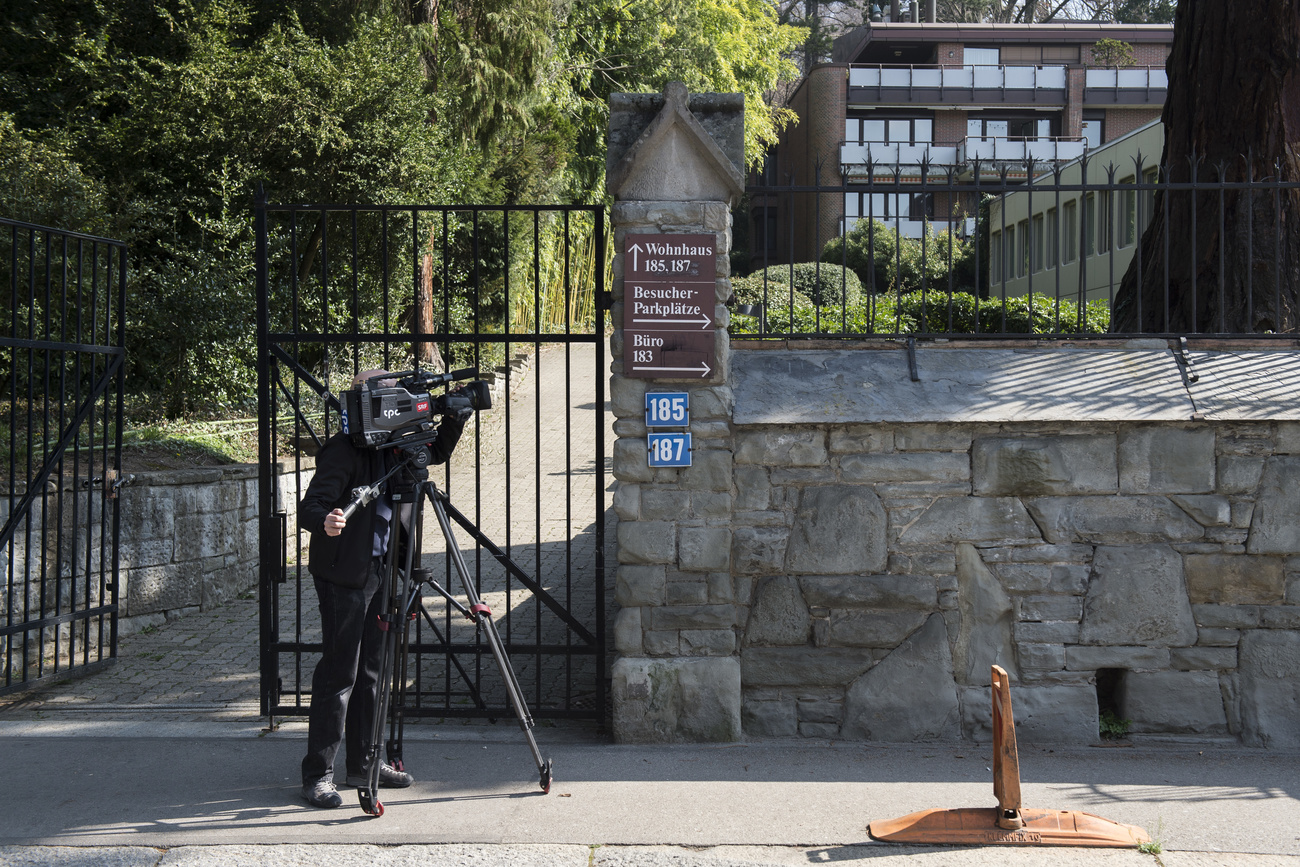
(852, 548)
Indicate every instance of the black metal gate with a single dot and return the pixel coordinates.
(517, 292)
(62, 354)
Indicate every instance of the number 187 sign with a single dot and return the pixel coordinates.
(670, 449)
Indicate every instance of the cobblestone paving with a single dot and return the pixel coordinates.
(205, 666)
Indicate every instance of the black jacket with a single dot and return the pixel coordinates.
(340, 467)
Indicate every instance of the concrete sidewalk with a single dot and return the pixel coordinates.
(226, 793)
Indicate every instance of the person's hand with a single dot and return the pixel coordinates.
(335, 522)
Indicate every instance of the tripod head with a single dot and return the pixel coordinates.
(410, 470)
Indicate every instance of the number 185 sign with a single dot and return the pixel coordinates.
(667, 409)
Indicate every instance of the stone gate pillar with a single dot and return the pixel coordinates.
(674, 167)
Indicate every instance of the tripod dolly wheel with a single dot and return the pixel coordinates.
(370, 804)
(545, 778)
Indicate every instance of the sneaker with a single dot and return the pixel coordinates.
(322, 794)
(389, 778)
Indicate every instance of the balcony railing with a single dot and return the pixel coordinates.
(959, 77)
(1140, 77)
(909, 157)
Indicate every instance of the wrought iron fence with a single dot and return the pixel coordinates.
(62, 352)
(1006, 250)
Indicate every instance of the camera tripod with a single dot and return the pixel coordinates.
(403, 603)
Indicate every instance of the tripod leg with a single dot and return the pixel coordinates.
(482, 616)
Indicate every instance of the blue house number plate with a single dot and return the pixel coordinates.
(670, 449)
(667, 409)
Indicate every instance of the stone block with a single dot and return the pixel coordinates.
(803, 666)
(1137, 594)
(820, 712)
(676, 700)
(870, 591)
(1242, 512)
(933, 437)
(1083, 658)
(778, 615)
(1234, 579)
(984, 625)
(818, 730)
(685, 593)
(838, 529)
(783, 448)
(663, 504)
(1288, 438)
(1218, 637)
(909, 695)
(1173, 701)
(914, 467)
(627, 631)
(155, 589)
(627, 397)
(1281, 617)
(1059, 578)
(753, 490)
(647, 542)
(631, 462)
(221, 581)
(710, 470)
(720, 587)
(1239, 475)
(770, 719)
(1229, 616)
(1044, 608)
(1269, 689)
(627, 501)
(708, 430)
(665, 642)
(868, 627)
(1113, 520)
(1208, 510)
(759, 550)
(1166, 460)
(972, 519)
(1043, 466)
(1040, 657)
(707, 642)
(706, 504)
(1052, 632)
(861, 439)
(1051, 714)
(692, 617)
(1273, 526)
(1203, 658)
(704, 549)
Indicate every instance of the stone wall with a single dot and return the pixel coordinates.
(863, 546)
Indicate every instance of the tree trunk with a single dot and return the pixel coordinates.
(1232, 262)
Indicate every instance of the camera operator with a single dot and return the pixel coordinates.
(346, 557)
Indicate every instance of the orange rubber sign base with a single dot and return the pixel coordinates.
(979, 826)
(1009, 823)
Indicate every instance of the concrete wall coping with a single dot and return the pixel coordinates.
(1066, 383)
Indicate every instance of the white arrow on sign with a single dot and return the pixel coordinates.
(634, 249)
(703, 321)
(702, 370)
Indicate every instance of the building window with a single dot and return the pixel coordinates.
(1053, 240)
(1016, 127)
(1106, 226)
(1070, 230)
(995, 256)
(764, 241)
(1039, 239)
(1128, 215)
(872, 130)
(1094, 130)
(1022, 257)
(981, 56)
(1089, 225)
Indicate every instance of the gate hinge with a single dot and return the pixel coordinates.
(113, 481)
(607, 300)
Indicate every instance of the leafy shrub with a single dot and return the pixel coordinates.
(826, 284)
(886, 262)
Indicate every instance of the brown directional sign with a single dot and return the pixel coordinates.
(669, 291)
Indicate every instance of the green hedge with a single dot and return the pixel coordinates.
(917, 313)
(817, 284)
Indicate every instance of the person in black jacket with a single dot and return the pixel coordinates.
(346, 563)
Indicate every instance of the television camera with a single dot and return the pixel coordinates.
(398, 409)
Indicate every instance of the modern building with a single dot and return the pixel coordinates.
(952, 96)
(1063, 242)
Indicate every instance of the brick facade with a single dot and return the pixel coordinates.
(821, 103)
(1121, 121)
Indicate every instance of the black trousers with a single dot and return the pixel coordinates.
(344, 685)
